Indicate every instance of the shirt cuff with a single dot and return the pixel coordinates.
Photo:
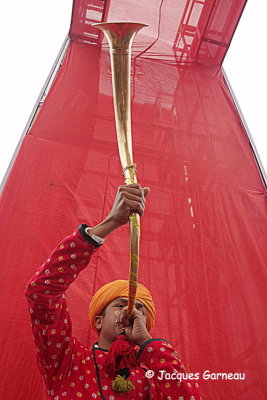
(95, 240)
(98, 239)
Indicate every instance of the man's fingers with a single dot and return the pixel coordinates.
(132, 203)
(135, 188)
(136, 313)
(125, 320)
(132, 190)
(146, 191)
(133, 197)
(131, 186)
(134, 206)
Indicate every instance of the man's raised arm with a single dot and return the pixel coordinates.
(45, 292)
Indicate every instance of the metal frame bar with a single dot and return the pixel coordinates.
(48, 83)
(249, 135)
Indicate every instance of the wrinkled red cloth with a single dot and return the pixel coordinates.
(72, 371)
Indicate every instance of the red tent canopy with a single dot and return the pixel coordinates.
(203, 237)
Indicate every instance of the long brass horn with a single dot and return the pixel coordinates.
(120, 36)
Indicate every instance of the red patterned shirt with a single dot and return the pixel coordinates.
(70, 370)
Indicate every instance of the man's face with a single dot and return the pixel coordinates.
(107, 323)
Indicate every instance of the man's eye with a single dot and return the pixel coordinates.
(120, 305)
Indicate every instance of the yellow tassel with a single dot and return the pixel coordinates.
(121, 385)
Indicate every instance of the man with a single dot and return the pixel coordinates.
(70, 370)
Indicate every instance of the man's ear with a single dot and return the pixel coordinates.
(98, 322)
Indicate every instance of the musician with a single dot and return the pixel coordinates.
(70, 370)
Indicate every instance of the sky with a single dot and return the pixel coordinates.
(32, 33)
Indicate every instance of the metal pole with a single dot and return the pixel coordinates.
(48, 83)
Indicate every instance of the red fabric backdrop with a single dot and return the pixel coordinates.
(203, 235)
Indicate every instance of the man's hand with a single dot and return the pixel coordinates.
(129, 198)
(135, 327)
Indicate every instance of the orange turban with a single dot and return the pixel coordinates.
(120, 288)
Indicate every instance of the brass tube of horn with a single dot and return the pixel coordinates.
(120, 37)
